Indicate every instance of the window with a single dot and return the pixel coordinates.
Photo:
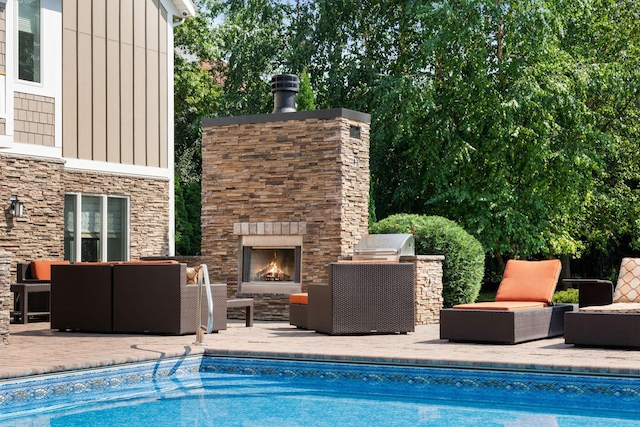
(29, 40)
(102, 224)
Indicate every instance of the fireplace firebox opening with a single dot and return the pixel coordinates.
(270, 264)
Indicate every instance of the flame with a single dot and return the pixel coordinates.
(272, 271)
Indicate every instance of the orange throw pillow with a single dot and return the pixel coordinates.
(41, 270)
(529, 280)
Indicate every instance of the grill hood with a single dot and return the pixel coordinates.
(388, 247)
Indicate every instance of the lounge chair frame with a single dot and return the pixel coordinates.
(502, 327)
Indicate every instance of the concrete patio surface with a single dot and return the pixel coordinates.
(36, 349)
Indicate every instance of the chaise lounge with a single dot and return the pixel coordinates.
(522, 311)
(616, 321)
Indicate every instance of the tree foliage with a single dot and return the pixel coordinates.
(517, 119)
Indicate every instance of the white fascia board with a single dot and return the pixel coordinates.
(116, 168)
(180, 8)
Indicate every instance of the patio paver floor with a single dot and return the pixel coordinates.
(36, 349)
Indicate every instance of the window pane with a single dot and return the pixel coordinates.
(29, 40)
(90, 228)
(69, 227)
(116, 229)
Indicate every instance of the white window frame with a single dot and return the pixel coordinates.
(77, 231)
(42, 33)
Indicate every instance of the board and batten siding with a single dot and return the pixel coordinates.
(115, 88)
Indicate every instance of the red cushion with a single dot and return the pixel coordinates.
(41, 270)
(529, 280)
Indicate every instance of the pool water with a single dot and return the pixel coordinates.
(251, 392)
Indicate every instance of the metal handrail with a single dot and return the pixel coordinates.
(203, 278)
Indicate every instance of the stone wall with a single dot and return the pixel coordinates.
(428, 292)
(38, 183)
(41, 185)
(149, 213)
(6, 301)
(307, 167)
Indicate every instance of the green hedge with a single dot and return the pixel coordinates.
(463, 266)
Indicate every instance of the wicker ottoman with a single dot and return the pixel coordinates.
(298, 310)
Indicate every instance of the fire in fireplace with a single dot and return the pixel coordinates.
(266, 265)
(270, 268)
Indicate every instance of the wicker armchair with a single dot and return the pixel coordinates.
(364, 298)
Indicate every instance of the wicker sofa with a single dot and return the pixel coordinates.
(363, 298)
(134, 297)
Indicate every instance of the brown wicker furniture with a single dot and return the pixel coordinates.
(136, 297)
(612, 320)
(298, 310)
(31, 293)
(22, 309)
(247, 303)
(522, 310)
(81, 297)
(363, 298)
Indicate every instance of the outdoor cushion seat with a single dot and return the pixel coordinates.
(616, 307)
(501, 305)
(610, 325)
(41, 269)
(522, 310)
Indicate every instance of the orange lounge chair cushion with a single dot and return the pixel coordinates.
(501, 305)
(301, 298)
(41, 270)
(529, 281)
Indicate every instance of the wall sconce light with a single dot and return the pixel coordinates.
(17, 207)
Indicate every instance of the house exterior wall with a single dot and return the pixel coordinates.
(99, 122)
(34, 119)
(115, 81)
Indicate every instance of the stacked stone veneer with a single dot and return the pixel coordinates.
(5, 296)
(428, 293)
(308, 168)
(41, 185)
(34, 119)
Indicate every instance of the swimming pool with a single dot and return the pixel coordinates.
(238, 391)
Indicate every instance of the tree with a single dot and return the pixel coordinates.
(196, 94)
(516, 119)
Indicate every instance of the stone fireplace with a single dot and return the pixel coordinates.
(290, 188)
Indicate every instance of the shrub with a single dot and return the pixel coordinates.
(463, 266)
(570, 296)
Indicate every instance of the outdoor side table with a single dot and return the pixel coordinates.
(593, 291)
(21, 293)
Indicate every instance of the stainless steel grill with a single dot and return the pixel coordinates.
(384, 247)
